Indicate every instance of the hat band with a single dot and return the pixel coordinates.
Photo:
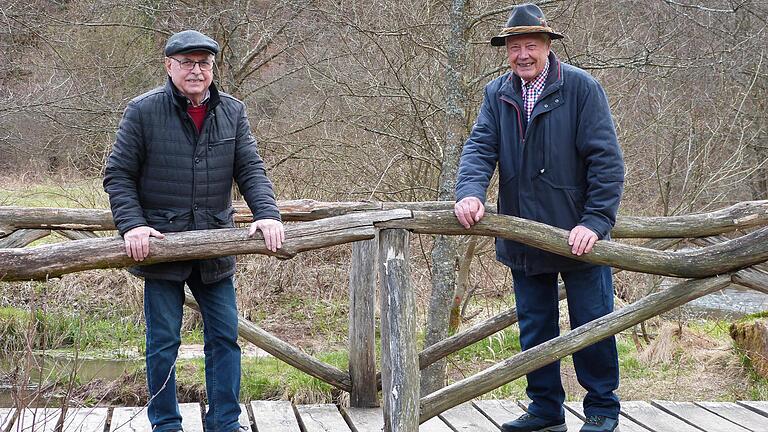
(508, 31)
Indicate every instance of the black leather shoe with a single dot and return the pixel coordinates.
(600, 424)
(531, 423)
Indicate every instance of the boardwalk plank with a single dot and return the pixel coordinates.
(134, 419)
(653, 418)
(698, 416)
(737, 414)
(322, 418)
(465, 417)
(499, 411)
(6, 415)
(37, 419)
(625, 424)
(372, 420)
(191, 417)
(243, 419)
(130, 419)
(364, 419)
(435, 424)
(85, 419)
(274, 416)
(756, 406)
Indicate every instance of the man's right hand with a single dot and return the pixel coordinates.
(469, 211)
(137, 241)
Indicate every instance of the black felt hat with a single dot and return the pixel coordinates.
(526, 18)
(190, 41)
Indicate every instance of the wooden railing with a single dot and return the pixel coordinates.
(380, 236)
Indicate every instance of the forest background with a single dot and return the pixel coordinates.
(372, 100)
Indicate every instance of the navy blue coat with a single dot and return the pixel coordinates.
(165, 174)
(564, 168)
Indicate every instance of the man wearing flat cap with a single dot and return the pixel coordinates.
(177, 151)
(548, 127)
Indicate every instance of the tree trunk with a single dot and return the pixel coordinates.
(444, 250)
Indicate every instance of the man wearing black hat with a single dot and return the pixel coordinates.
(548, 127)
(177, 150)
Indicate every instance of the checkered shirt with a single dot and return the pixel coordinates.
(532, 90)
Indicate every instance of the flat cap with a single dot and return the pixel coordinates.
(189, 41)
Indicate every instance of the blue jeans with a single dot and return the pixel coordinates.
(590, 296)
(163, 306)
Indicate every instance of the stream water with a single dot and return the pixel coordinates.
(730, 303)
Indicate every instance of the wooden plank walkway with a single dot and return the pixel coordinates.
(477, 416)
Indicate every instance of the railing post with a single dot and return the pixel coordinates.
(362, 324)
(399, 358)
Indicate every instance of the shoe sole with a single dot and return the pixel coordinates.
(556, 428)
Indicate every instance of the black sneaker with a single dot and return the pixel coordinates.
(531, 423)
(600, 424)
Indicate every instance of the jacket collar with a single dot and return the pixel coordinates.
(512, 87)
(182, 102)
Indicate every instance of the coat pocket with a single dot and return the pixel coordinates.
(223, 219)
(556, 205)
(168, 220)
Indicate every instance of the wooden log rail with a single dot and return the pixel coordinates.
(742, 215)
(719, 261)
(55, 260)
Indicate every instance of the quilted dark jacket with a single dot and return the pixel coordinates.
(164, 174)
(563, 168)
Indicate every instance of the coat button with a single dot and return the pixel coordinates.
(542, 171)
(546, 105)
(197, 160)
(557, 100)
(195, 207)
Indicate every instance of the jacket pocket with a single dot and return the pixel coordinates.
(557, 205)
(168, 220)
(221, 142)
(223, 219)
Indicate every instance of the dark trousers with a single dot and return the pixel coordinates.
(590, 296)
(163, 307)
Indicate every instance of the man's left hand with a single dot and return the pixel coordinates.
(273, 231)
(581, 240)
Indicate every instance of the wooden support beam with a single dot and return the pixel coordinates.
(54, 260)
(755, 277)
(78, 234)
(362, 324)
(400, 371)
(717, 259)
(568, 343)
(22, 237)
(746, 214)
(284, 351)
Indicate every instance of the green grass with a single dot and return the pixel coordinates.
(60, 330)
(269, 378)
(717, 329)
(86, 193)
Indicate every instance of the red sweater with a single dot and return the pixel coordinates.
(197, 114)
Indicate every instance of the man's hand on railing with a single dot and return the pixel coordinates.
(581, 239)
(137, 241)
(469, 211)
(273, 231)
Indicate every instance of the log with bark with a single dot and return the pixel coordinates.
(55, 260)
(748, 214)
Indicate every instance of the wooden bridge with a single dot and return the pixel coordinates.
(380, 237)
(476, 416)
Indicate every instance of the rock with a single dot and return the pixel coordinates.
(751, 336)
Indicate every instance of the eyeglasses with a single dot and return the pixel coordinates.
(187, 64)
